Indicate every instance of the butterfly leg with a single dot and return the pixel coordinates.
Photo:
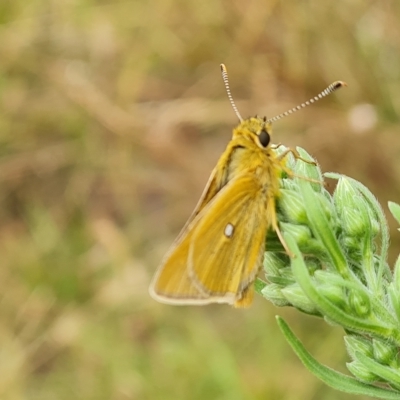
(296, 155)
(291, 174)
(274, 223)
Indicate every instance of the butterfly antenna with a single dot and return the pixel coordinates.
(330, 89)
(224, 73)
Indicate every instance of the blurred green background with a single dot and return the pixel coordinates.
(113, 114)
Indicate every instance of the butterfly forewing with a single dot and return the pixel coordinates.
(191, 275)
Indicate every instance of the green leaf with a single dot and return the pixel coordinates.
(330, 377)
(321, 228)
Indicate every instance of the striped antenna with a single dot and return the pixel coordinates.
(331, 88)
(224, 73)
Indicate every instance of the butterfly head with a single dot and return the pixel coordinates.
(256, 130)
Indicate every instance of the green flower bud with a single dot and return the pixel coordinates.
(296, 297)
(359, 304)
(353, 222)
(375, 227)
(284, 277)
(301, 233)
(334, 294)
(274, 262)
(292, 207)
(326, 277)
(358, 344)
(273, 293)
(361, 372)
(352, 209)
(308, 170)
(385, 353)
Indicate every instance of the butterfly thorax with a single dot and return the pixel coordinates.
(250, 152)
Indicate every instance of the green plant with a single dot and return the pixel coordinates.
(339, 272)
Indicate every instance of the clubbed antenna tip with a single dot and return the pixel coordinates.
(224, 73)
(330, 89)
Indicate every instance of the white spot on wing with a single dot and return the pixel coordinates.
(229, 230)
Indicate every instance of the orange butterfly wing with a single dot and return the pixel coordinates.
(189, 275)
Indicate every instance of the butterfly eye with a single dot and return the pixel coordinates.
(264, 138)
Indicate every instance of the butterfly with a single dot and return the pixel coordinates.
(220, 250)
